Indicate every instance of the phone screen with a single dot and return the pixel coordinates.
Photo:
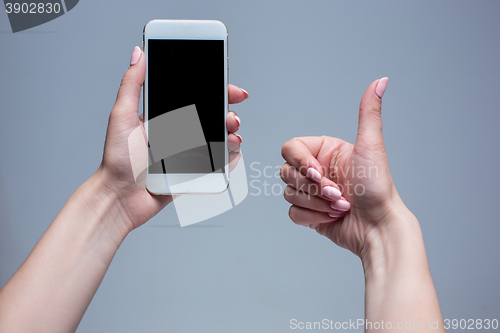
(186, 106)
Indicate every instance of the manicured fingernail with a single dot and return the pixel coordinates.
(381, 85)
(331, 192)
(245, 92)
(239, 137)
(238, 120)
(342, 205)
(336, 214)
(136, 55)
(313, 174)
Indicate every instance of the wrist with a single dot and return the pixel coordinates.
(103, 207)
(395, 245)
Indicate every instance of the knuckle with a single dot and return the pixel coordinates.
(373, 109)
(283, 172)
(284, 149)
(292, 213)
(287, 148)
(126, 80)
(286, 195)
(289, 194)
(129, 80)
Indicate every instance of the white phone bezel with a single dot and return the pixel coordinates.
(187, 183)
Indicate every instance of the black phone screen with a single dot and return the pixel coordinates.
(186, 90)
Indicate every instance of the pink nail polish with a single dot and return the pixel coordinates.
(313, 174)
(239, 137)
(341, 205)
(331, 192)
(136, 55)
(336, 214)
(238, 120)
(381, 85)
(245, 92)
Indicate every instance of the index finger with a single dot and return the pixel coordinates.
(236, 94)
(302, 152)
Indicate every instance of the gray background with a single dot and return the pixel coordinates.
(306, 65)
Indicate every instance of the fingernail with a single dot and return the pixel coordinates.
(239, 137)
(342, 205)
(331, 192)
(313, 174)
(238, 120)
(381, 85)
(136, 55)
(336, 214)
(245, 92)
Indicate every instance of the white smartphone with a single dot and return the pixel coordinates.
(185, 106)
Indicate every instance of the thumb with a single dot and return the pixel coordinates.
(129, 94)
(370, 118)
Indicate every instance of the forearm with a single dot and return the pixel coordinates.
(399, 290)
(54, 286)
